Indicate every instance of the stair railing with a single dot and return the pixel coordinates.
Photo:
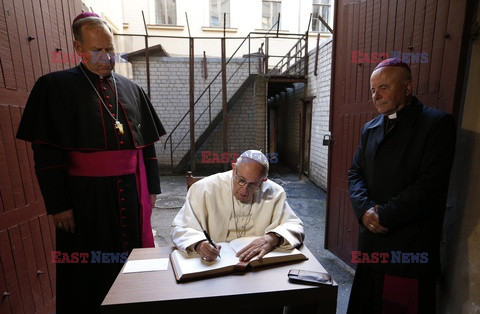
(298, 54)
(208, 89)
(295, 53)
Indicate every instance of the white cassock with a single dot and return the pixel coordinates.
(210, 205)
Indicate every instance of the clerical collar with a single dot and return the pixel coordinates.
(398, 113)
(94, 76)
(392, 116)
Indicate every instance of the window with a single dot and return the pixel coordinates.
(270, 10)
(322, 8)
(166, 12)
(217, 9)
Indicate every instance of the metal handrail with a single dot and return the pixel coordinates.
(203, 93)
(277, 24)
(287, 57)
(209, 87)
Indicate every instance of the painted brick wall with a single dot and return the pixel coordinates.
(169, 81)
(289, 109)
(319, 86)
(247, 120)
(246, 127)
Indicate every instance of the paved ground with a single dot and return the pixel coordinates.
(308, 202)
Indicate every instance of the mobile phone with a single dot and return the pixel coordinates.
(308, 276)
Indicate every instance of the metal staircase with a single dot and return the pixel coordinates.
(291, 67)
(182, 165)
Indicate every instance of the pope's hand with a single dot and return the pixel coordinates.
(259, 246)
(207, 251)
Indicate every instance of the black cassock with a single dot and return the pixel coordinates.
(64, 114)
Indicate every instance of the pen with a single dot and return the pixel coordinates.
(209, 239)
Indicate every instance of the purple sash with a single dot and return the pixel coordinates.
(116, 163)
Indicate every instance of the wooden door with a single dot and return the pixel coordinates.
(305, 134)
(273, 130)
(31, 33)
(308, 137)
(427, 34)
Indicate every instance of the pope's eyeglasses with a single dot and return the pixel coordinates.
(242, 182)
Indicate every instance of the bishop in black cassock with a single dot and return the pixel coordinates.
(85, 162)
(398, 185)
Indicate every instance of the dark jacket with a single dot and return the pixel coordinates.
(63, 111)
(406, 172)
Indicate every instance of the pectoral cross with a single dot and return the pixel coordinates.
(119, 127)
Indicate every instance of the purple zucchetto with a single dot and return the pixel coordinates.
(84, 15)
(392, 62)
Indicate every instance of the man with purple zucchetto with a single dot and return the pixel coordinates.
(93, 133)
(398, 185)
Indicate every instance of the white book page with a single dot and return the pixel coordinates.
(240, 243)
(194, 264)
(284, 254)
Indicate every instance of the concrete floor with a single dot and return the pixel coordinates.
(308, 202)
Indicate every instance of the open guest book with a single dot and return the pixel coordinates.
(191, 266)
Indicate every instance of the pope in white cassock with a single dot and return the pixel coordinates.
(238, 203)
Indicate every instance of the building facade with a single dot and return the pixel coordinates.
(171, 22)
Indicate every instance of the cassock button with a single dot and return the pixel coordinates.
(110, 106)
(123, 209)
(104, 88)
(121, 190)
(107, 97)
(122, 199)
(121, 143)
(119, 180)
(113, 115)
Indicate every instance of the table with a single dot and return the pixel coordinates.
(159, 292)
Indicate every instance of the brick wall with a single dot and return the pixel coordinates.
(319, 86)
(289, 109)
(260, 118)
(247, 122)
(169, 82)
(246, 127)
